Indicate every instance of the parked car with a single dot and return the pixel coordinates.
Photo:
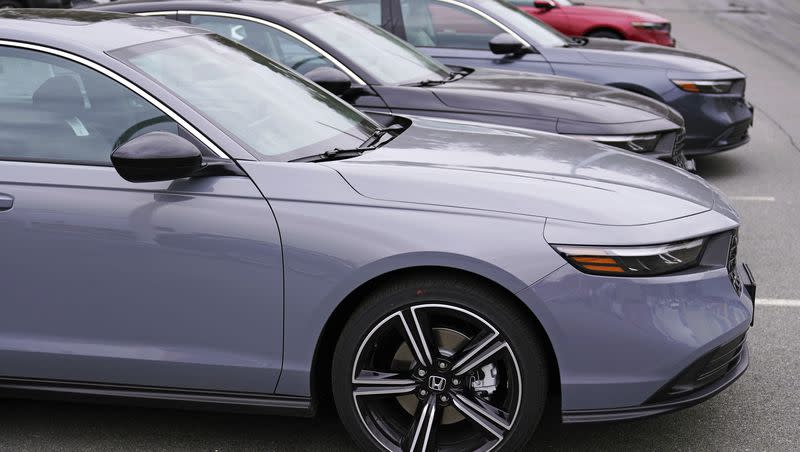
(577, 19)
(375, 71)
(187, 222)
(5, 4)
(492, 33)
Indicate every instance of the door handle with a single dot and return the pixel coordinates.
(6, 202)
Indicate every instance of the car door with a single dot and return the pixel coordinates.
(163, 285)
(289, 49)
(459, 35)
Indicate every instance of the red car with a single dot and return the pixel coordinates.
(575, 19)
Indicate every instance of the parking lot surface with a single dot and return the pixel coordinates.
(759, 412)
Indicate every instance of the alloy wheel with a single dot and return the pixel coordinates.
(436, 377)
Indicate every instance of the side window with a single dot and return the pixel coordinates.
(430, 23)
(55, 110)
(265, 40)
(367, 10)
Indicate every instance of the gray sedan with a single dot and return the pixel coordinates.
(495, 34)
(186, 222)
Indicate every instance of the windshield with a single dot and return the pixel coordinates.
(541, 34)
(269, 110)
(389, 60)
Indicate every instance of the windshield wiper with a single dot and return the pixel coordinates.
(451, 77)
(370, 144)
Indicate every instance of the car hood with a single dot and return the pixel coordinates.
(468, 165)
(544, 95)
(631, 53)
(602, 11)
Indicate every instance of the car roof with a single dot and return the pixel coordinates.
(285, 10)
(93, 32)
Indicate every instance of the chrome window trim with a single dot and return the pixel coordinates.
(468, 8)
(157, 13)
(284, 30)
(124, 82)
(489, 18)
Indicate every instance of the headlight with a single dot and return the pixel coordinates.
(633, 261)
(705, 86)
(662, 26)
(635, 143)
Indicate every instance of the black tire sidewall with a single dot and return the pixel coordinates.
(491, 305)
(605, 34)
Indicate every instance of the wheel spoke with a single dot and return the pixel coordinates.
(484, 416)
(496, 415)
(474, 347)
(487, 349)
(418, 335)
(371, 383)
(422, 434)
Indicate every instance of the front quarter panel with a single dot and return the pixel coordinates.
(335, 240)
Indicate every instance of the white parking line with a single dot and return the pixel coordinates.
(754, 198)
(777, 302)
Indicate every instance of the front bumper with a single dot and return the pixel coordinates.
(619, 342)
(714, 123)
(653, 409)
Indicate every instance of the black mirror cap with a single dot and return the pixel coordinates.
(544, 4)
(332, 79)
(157, 156)
(504, 43)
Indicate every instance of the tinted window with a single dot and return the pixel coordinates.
(268, 109)
(265, 40)
(429, 23)
(535, 31)
(368, 10)
(55, 110)
(385, 57)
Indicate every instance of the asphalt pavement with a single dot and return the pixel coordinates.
(760, 412)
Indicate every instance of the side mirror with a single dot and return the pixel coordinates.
(330, 78)
(504, 43)
(545, 4)
(157, 156)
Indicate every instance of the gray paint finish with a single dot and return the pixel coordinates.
(225, 283)
(147, 284)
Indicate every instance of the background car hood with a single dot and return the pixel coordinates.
(631, 53)
(467, 165)
(601, 11)
(543, 95)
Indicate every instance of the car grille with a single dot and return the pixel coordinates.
(734, 134)
(677, 148)
(703, 372)
(733, 274)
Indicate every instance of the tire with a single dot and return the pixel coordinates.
(604, 34)
(10, 4)
(478, 379)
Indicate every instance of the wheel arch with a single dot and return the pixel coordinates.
(638, 89)
(605, 27)
(326, 343)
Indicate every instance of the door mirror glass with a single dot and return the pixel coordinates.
(334, 80)
(544, 4)
(504, 43)
(157, 156)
